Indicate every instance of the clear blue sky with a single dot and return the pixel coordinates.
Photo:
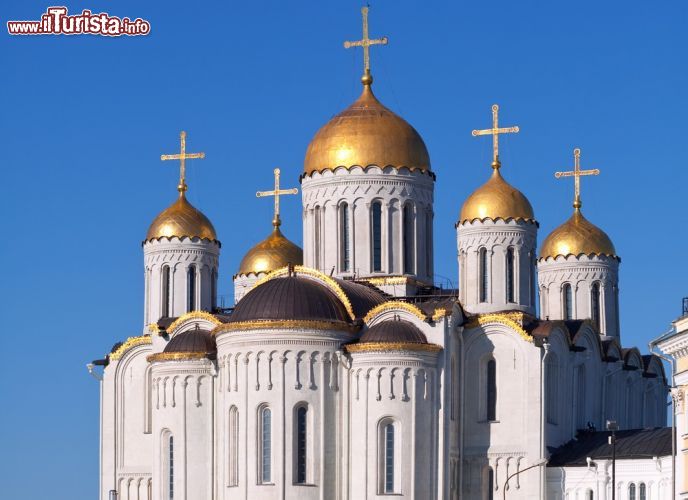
(84, 120)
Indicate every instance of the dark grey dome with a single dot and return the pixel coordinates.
(290, 298)
(395, 330)
(363, 297)
(192, 341)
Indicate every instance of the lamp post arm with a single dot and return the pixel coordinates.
(506, 483)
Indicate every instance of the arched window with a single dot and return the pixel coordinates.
(166, 292)
(409, 239)
(191, 289)
(344, 251)
(642, 493)
(233, 462)
(170, 467)
(389, 457)
(552, 388)
(377, 235)
(567, 297)
(265, 445)
(589, 495)
(510, 274)
(428, 244)
(484, 278)
(595, 304)
(213, 290)
(631, 491)
(491, 390)
(316, 234)
(301, 447)
(490, 484)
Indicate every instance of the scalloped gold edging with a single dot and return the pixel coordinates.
(423, 170)
(392, 280)
(130, 343)
(577, 255)
(440, 313)
(392, 346)
(329, 282)
(513, 320)
(395, 304)
(176, 356)
(495, 219)
(284, 324)
(193, 315)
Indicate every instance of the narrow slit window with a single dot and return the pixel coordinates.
(301, 445)
(409, 239)
(191, 289)
(344, 232)
(318, 243)
(170, 470)
(266, 446)
(491, 390)
(377, 235)
(510, 274)
(484, 279)
(568, 301)
(595, 292)
(631, 492)
(233, 446)
(166, 292)
(389, 458)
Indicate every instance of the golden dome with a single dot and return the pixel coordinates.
(577, 236)
(274, 252)
(181, 219)
(366, 133)
(496, 199)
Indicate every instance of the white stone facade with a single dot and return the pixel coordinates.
(587, 276)
(168, 280)
(497, 265)
(406, 215)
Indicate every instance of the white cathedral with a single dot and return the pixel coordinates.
(343, 372)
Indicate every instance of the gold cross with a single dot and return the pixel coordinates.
(277, 192)
(182, 157)
(495, 131)
(366, 42)
(576, 173)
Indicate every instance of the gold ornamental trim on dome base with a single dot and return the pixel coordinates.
(284, 324)
(192, 315)
(177, 356)
(307, 271)
(392, 305)
(513, 320)
(440, 313)
(130, 343)
(394, 280)
(495, 219)
(392, 346)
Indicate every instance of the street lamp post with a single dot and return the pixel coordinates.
(613, 426)
(536, 464)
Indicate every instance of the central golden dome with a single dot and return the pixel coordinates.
(577, 236)
(181, 219)
(366, 133)
(496, 199)
(274, 252)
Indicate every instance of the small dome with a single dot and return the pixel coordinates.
(274, 252)
(577, 236)
(366, 133)
(392, 331)
(181, 219)
(496, 199)
(290, 298)
(192, 341)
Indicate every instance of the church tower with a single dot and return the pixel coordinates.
(578, 269)
(274, 252)
(496, 238)
(181, 255)
(368, 193)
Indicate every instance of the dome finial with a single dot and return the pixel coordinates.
(366, 42)
(576, 173)
(494, 132)
(277, 192)
(182, 156)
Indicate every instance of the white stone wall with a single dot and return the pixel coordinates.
(573, 483)
(359, 188)
(179, 255)
(243, 284)
(581, 273)
(281, 370)
(183, 407)
(496, 237)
